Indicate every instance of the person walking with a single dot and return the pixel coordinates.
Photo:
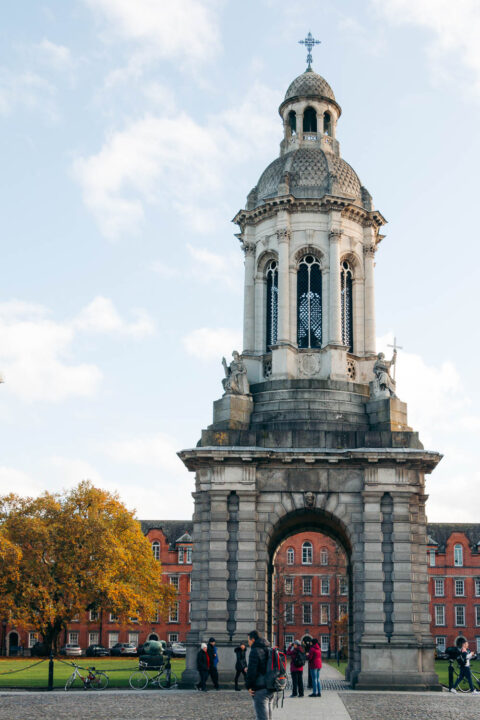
(240, 663)
(465, 672)
(297, 661)
(255, 680)
(203, 665)
(213, 657)
(315, 665)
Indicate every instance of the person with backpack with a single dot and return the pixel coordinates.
(315, 665)
(203, 667)
(213, 657)
(463, 659)
(256, 677)
(296, 652)
(240, 663)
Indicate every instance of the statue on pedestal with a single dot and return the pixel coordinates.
(235, 381)
(384, 385)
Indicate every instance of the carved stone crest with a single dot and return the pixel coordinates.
(309, 364)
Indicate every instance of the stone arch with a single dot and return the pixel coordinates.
(309, 250)
(264, 258)
(13, 642)
(355, 262)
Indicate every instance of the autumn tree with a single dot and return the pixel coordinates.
(62, 554)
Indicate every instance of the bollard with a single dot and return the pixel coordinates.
(50, 672)
(450, 675)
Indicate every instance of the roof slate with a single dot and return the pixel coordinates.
(172, 529)
(440, 532)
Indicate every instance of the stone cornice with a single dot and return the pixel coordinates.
(425, 460)
(291, 204)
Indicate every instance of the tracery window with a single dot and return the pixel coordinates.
(309, 303)
(346, 301)
(310, 120)
(272, 303)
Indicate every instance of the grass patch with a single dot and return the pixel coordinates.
(341, 668)
(37, 677)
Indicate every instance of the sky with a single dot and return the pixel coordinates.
(131, 134)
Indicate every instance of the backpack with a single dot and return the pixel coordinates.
(276, 671)
(299, 659)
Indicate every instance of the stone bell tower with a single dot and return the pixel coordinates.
(309, 433)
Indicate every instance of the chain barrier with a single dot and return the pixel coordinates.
(101, 669)
(10, 672)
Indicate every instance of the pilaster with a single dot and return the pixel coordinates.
(369, 255)
(249, 297)
(335, 331)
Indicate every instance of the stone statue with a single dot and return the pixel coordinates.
(383, 383)
(235, 381)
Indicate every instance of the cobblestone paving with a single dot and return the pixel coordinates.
(148, 705)
(411, 706)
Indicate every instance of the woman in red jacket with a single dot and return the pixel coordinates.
(315, 665)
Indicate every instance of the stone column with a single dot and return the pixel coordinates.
(247, 553)
(335, 332)
(402, 564)
(217, 570)
(249, 298)
(283, 236)
(369, 255)
(260, 313)
(373, 629)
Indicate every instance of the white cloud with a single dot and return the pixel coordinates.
(184, 30)
(455, 27)
(57, 56)
(165, 160)
(210, 267)
(19, 482)
(71, 471)
(101, 316)
(212, 343)
(157, 451)
(26, 91)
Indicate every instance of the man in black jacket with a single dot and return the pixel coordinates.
(255, 680)
(203, 663)
(240, 663)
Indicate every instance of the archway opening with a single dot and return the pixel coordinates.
(13, 643)
(153, 636)
(309, 120)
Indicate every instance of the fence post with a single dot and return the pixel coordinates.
(50, 672)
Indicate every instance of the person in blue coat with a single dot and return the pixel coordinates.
(213, 656)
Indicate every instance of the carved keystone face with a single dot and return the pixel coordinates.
(309, 498)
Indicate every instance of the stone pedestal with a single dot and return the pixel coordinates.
(388, 414)
(232, 412)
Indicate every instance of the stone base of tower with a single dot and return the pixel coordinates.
(396, 666)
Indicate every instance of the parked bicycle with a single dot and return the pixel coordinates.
(164, 677)
(95, 679)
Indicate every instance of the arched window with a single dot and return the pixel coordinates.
(290, 556)
(292, 121)
(272, 303)
(309, 303)
(347, 304)
(307, 553)
(458, 556)
(309, 120)
(156, 549)
(324, 556)
(327, 123)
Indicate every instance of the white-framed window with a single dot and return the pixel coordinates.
(133, 618)
(133, 637)
(324, 614)
(113, 618)
(189, 612)
(93, 638)
(156, 615)
(32, 639)
(288, 586)
(477, 615)
(174, 580)
(439, 587)
(478, 644)
(73, 638)
(307, 613)
(173, 615)
(477, 587)
(325, 586)
(343, 586)
(460, 615)
(93, 615)
(459, 588)
(188, 555)
(112, 639)
(324, 643)
(290, 556)
(172, 637)
(289, 639)
(189, 583)
(76, 618)
(307, 585)
(458, 556)
(432, 557)
(289, 613)
(307, 553)
(342, 610)
(181, 555)
(156, 549)
(440, 643)
(323, 556)
(439, 615)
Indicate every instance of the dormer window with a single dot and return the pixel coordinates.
(458, 556)
(181, 555)
(292, 122)
(310, 120)
(156, 549)
(327, 123)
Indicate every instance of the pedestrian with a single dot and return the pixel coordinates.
(307, 644)
(255, 680)
(297, 654)
(463, 660)
(213, 657)
(203, 665)
(240, 663)
(315, 665)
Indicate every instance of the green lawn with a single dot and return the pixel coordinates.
(37, 677)
(441, 668)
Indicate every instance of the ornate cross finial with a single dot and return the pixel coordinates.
(395, 348)
(309, 43)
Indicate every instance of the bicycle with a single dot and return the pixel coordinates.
(463, 685)
(164, 678)
(95, 679)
